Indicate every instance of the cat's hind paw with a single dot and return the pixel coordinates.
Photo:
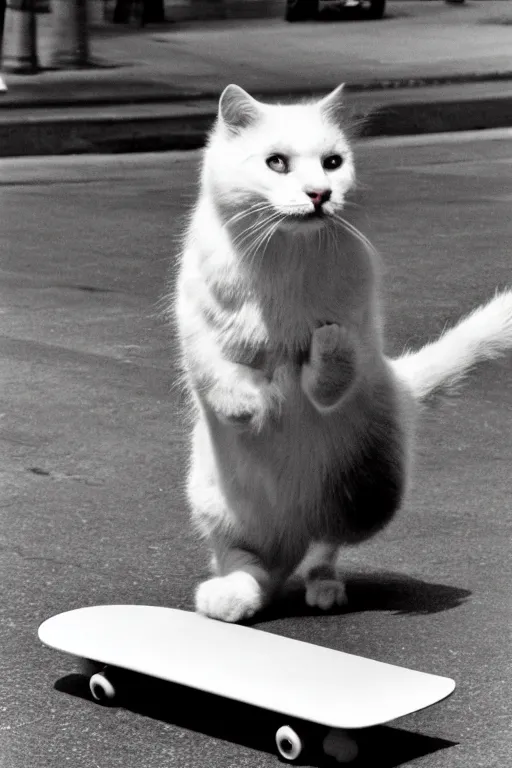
(234, 597)
(325, 593)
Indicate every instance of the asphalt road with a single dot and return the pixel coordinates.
(93, 451)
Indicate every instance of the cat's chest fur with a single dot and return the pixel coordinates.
(265, 311)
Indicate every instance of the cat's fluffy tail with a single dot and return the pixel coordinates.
(484, 334)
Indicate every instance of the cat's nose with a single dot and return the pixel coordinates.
(319, 196)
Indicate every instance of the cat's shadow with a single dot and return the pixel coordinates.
(383, 591)
(219, 718)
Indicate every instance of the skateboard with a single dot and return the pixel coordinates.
(297, 680)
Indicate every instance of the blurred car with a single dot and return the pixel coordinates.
(307, 10)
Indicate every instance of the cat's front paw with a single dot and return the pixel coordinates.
(234, 597)
(332, 366)
(326, 340)
(325, 593)
(333, 342)
(243, 408)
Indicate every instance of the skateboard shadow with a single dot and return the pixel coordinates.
(384, 591)
(251, 727)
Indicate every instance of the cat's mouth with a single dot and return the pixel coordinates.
(317, 213)
(317, 216)
(305, 217)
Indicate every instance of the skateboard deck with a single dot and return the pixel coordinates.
(290, 677)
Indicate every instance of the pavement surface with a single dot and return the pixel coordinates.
(93, 444)
(426, 67)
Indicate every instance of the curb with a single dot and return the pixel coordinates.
(184, 126)
(139, 92)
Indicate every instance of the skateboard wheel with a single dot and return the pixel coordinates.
(289, 743)
(101, 687)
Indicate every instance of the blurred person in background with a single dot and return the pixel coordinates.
(153, 11)
(3, 4)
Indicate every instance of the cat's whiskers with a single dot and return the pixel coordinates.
(271, 224)
(329, 233)
(348, 227)
(253, 230)
(243, 214)
(351, 203)
(263, 245)
(262, 219)
(254, 226)
(254, 208)
(263, 236)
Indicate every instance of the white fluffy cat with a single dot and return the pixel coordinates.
(303, 428)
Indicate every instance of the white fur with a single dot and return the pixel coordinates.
(230, 598)
(280, 327)
(484, 334)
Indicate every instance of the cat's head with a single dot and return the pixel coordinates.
(293, 161)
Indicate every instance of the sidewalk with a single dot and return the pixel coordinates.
(427, 66)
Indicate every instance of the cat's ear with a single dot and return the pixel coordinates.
(333, 105)
(237, 109)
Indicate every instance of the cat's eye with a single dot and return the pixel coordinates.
(278, 163)
(332, 162)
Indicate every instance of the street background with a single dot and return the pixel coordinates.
(94, 456)
(158, 87)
